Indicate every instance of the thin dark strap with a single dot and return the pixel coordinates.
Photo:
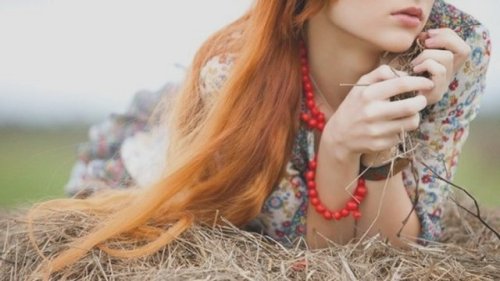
(384, 171)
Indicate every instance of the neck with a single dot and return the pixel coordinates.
(337, 57)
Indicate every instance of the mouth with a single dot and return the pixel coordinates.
(410, 17)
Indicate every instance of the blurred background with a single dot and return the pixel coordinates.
(65, 65)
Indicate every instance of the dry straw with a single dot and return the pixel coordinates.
(468, 251)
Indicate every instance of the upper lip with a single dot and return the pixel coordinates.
(412, 11)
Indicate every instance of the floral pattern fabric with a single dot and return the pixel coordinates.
(117, 152)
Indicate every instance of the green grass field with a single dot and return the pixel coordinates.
(35, 164)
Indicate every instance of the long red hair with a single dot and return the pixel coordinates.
(224, 158)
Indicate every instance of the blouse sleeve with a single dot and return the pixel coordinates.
(214, 74)
(123, 150)
(99, 162)
(442, 133)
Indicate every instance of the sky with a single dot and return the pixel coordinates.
(80, 60)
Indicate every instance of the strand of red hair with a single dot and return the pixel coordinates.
(222, 159)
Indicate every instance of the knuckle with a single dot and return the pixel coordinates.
(441, 70)
(384, 68)
(428, 62)
(368, 113)
(371, 132)
(365, 96)
(402, 84)
(386, 71)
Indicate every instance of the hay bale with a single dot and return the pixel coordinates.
(468, 252)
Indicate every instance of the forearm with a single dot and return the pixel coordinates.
(337, 171)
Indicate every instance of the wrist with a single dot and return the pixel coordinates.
(337, 150)
(378, 158)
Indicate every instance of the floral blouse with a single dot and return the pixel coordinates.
(123, 151)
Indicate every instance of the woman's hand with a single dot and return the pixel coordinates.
(446, 52)
(367, 121)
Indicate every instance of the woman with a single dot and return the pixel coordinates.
(264, 134)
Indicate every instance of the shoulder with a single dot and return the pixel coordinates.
(218, 64)
(214, 73)
(471, 30)
(462, 99)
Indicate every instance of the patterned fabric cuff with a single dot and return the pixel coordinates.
(431, 227)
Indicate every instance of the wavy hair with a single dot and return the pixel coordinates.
(224, 158)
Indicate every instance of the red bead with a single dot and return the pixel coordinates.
(303, 51)
(310, 175)
(356, 214)
(315, 201)
(310, 104)
(344, 212)
(320, 208)
(327, 215)
(311, 185)
(313, 123)
(313, 193)
(305, 117)
(305, 70)
(315, 119)
(308, 87)
(351, 206)
(315, 112)
(361, 191)
(337, 215)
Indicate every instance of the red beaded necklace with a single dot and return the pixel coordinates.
(315, 119)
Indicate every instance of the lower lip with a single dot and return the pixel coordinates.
(407, 20)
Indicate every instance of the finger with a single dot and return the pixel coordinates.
(444, 57)
(395, 110)
(392, 87)
(448, 39)
(406, 124)
(391, 130)
(381, 73)
(422, 36)
(437, 70)
(382, 143)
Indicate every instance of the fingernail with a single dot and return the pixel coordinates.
(429, 42)
(424, 35)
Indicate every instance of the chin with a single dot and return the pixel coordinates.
(397, 46)
(397, 42)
